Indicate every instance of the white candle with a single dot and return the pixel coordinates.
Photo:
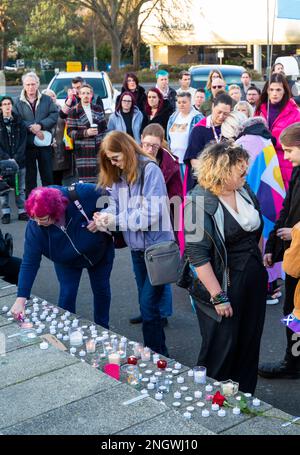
(114, 357)
(82, 353)
(200, 404)
(67, 313)
(215, 407)
(187, 415)
(188, 398)
(177, 366)
(158, 396)
(44, 345)
(59, 336)
(205, 413)
(222, 413)
(190, 373)
(55, 310)
(184, 388)
(73, 350)
(177, 395)
(180, 379)
(150, 386)
(76, 338)
(236, 411)
(90, 346)
(176, 404)
(48, 319)
(155, 358)
(248, 395)
(190, 408)
(66, 337)
(59, 325)
(209, 388)
(256, 402)
(146, 354)
(198, 394)
(52, 330)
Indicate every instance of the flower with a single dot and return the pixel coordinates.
(218, 399)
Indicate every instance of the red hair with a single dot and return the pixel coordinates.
(46, 201)
(160, 103)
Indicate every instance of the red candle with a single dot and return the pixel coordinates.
(132, 360)
(162, 364)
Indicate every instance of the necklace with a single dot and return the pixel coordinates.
(217, 138)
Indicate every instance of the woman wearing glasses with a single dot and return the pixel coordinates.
(127, 118)
(157, 109)
(137, 183)
(229, 298)
(69, 237)
(218, 86)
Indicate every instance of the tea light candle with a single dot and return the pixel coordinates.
(238, 398)
(66, 337)
(190, 408)
(39, 331)
(34, 319)
(190, 373)
(158, 396)
(200, 404)
(63, 317)
(67, 313)
(177, 395)
(180, 379)
(55, 310)
(215, 407)
(53, 316)
(146, 354)
(44, 345)
(42, 326)
(158, 373)
(90, 346)
(236, 411)
(73, 350)
(27, 320)
(42, 317)
(222, 413)
(59, 336)
(144, 392)
(248, 395)
(66, 329)
(150, 386)
(54, 323)
(52, 330)
(198, 394)
(187, 415)
(176, 404)
(44, 302)
(82, 353)
(184, 388)
(48, 319)
(153, 379)
(114, 357)
(92, 327)
(75, 323)
(175, 371)
(205, 413)
(168, 370)
(147, 371)
(188, 398)
(177, 366)
(143, 365)
(145, 380)
(67, 322)
(35, 300)
(256, 402)
(209, 388)
(28, 311)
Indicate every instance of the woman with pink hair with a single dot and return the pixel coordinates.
(64, 232)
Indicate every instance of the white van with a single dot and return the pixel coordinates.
(291, 65)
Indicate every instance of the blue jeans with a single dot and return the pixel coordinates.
(20, 199)
(149, 298)
(99, 274)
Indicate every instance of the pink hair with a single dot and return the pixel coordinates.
(45, 201)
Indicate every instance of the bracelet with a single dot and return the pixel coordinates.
(220, 298)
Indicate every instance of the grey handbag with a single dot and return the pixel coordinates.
(162, 262)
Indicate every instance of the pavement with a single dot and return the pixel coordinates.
(182, 333)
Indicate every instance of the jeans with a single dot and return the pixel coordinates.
(99, 274)
(20, 198)
(42, 155)
(149, 298)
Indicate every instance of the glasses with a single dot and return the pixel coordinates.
(154, 147)
(217, 86)
(126, 101)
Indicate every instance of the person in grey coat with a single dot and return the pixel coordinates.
(127, 117)
(40, 115)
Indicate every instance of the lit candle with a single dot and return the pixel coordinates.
(190, 373)
(67, 322)
(138, 349)
(155, 358)
(146, 354)
(59, 325)
(209, 388)
(256, 402)
(200, 404)
(75, 323)
(92, 328)
(158, 396)
(222, 413)
(66, 337)
(205, 413)
(44, 345)
(90, 346)
(67, 313)
(215, 407)
(177, 366)
(59, 336)
(82, 353)
(187, 415)
(198, 394)
(199, 375)
(55, 310)
(188, 398)
(66, 329)
(177, 395)
(180, 379)
(236, 411)
(114, 357)
(190, 408)
(28, 311)
(150, 386)
(176, 404)
(184, 388)
(73, 350)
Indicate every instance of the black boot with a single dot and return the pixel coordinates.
(286, 369)
(136, 320)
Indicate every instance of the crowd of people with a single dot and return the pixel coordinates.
(228, 153)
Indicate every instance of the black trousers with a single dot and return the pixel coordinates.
(10, 270)
(288, 306)
(43, 157)
(230, 349)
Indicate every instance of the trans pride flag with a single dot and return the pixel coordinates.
(264, 178)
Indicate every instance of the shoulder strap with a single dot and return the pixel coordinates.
(73, 196)
(143, 175)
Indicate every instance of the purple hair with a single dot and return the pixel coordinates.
(160, 103)
(46, 201)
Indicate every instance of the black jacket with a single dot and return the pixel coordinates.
(288, 217)
(16, 147)
(140, 97)
(206, 244)
(162, 117)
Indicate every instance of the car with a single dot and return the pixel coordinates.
(291, 65)
(231, 74)
(99, 80)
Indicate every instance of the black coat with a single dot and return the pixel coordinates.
(16, 149)
(162, 117)
(140, 97)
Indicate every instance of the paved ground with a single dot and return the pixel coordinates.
(183, 336)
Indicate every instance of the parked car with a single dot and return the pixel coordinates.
(231, 74)
(291, 65)
(99, 80)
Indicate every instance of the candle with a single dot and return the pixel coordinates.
(161, 364)
(132, 360)
(236, 411)
(75, 337)
(190, 373)
(48, 319)
(180, 379)
(190, 408)
(158, 396)
(42, 317)
(188, 398)
(114, 357)
(177, 366)
(142, 365)
(59, 325)
(44, 345)
(198, 394)
(67, 322)
(199, 375)
(63, 317)
(222, 413)
(205, 413)
(148, 371)
(55, 310)
(187, 415)
(66, 329)
(184, 388)
(176, 404)
(144, 392)
(146, 354)
(53, 316)
(256, 402)
(35, 300)
(67, 313)
(153, 379)
(28, 311)
(52, 330)
(150, 386)
(138, 349)
(248, 395)
(209, 388)
(145, 380)
(155, 358)
(44, 302)
(42, 326)
(73, 350)
(59, 336)
(200, 404)
(215, 407)
(66, 337)
(75, 323)
(82, 353)
(39, 331)
(92, 327)
(90, 346)
(177, 395)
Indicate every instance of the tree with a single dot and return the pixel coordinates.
(116, 16)
(13, 17)
(51, 31)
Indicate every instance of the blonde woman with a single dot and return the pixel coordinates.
(230, 293)
(137, 182)
(245, 108)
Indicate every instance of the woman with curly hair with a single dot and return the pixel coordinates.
(223, 227)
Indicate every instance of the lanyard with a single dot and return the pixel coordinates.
(217, 138)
